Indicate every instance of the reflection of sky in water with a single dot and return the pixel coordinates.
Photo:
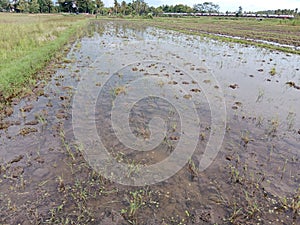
(231, 63)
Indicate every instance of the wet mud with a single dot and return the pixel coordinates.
(44, 177)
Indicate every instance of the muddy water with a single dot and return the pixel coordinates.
(254, 178)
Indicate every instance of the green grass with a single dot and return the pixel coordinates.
(27, 44)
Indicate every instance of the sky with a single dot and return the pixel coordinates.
(227, 5)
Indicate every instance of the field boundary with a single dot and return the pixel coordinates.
(17, 78)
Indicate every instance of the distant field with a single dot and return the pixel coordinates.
(282, 31)
(27, 43)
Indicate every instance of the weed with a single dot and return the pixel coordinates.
(291, 120)
(193, 169)
(260, 96)
(252, 205)
(132, 168)
(65, 144)
(119, 90)
(235, 174)
(245, 138)
(272, 71)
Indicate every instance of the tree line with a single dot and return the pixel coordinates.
(136, 7)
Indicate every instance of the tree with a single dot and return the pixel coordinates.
(23, 6)
(84, 6)
(116, 7)
(99, 6)
(182, 9)
(66, 6)
(34, 6)
(140, 7)
(123, 7)
(45, 6)
(207, 7)
(156, 11)
(49, 5)
(240, 10)
(4, 5)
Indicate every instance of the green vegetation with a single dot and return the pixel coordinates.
(28, 44)
(285, 32)
(122, 8)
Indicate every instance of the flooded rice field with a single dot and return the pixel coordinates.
(141, 125)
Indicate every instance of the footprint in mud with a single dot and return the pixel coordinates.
(27, 108)
(236, 105)
(61, 114)
(41, 172)
(39, 91)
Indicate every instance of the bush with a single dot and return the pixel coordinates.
(148, 16)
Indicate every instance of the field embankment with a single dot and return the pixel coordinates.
(277, 34)
(27, 44)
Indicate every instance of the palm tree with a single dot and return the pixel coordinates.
(99, 5)
(123, 7)
(116, 6)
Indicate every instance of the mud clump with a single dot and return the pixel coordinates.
(4, 125)
(293, 84)
(33, 122)
(27, 108)
(187, 96)
(8, 111)
(233, 86)
(195, 90)
(27, 130)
